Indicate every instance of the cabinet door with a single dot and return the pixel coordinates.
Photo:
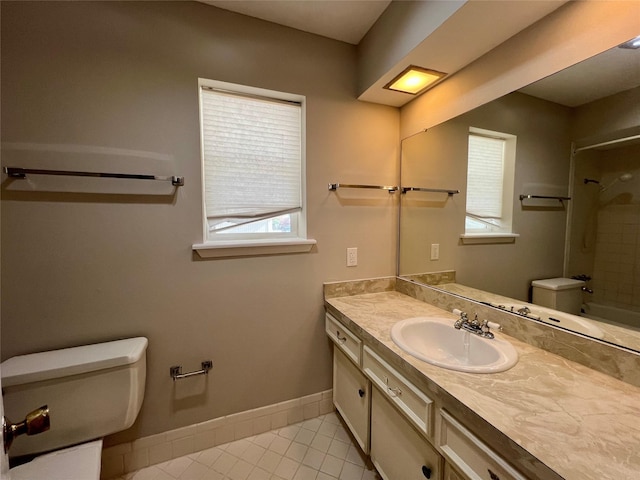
(351, 392)
(451, 474)
(398, 451)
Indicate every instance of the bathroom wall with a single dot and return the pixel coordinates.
(88, 267)
(543, 148)
(605, 225)
(616, 269)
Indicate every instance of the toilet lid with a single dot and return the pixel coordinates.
(36, 367)
(557, 283)
(81, 462)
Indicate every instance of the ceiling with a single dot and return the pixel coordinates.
(350, 20)
(344, 20)
(608, 73)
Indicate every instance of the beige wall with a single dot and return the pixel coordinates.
(542, 168)
(80, 268)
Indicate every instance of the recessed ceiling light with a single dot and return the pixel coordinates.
(415, 80)
(635, 43)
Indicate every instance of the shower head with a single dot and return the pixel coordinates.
(625, 177)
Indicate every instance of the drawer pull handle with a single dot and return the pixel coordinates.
(340, 339)
(426, 471)
(492, 475)
(361, 392)
(395, 391)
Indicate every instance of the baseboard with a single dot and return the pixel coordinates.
(143, 452)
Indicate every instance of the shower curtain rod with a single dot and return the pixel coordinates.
(604, 144)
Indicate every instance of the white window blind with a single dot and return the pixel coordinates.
(252, 149)
(485, 177)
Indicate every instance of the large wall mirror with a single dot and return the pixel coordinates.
(549, 188)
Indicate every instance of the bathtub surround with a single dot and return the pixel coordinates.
(131, 456)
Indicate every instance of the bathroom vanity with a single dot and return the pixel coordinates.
(546, 418)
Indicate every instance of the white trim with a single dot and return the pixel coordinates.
(479, 238)
(250, 248)
(230, 247)
(161, 447)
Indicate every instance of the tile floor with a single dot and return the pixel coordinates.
(316, 449)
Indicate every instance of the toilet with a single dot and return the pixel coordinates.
(91, 391)
(563, 294)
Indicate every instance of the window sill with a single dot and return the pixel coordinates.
(252, 248)
(485, 238)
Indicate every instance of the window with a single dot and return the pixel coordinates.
(490, 173)
(253, 170)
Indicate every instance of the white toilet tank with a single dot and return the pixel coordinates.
(564, 294)
(91, 391)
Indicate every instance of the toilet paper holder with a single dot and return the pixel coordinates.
(176, 371)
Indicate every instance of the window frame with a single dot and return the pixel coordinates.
(234, 244)
(500, 229)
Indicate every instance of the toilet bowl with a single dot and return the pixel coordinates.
(91, 391)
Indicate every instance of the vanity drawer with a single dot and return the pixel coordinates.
(344, 339)
(469, 455)
(400, 391)
(398, 451)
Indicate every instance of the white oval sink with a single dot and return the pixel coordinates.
(435, 341)
(574, 323)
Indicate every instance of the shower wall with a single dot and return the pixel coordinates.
(606, 226)
(616, 267)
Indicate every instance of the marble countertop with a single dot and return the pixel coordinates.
(580, 423)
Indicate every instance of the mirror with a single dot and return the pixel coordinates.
(577, 169)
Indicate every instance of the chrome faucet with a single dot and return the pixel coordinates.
(474, 326)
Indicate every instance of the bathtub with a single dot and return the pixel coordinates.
(618, 316)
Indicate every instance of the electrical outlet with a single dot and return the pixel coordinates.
(352, 257)
(435, 251)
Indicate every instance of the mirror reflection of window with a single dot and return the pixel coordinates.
(490, 173)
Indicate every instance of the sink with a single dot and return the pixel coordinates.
(435, 341)
(574, 323)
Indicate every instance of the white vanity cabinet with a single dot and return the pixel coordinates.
(395, 422)
(472, 459)
(398, 451)
(351, 389)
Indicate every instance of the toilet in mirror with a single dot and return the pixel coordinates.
(80, 395)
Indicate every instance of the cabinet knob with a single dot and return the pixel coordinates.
(426, 471)
(361, 392)
(492, 475)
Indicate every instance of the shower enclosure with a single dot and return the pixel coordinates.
(604, 229)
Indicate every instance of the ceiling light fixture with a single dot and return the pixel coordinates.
(415, 80)
(635, 43)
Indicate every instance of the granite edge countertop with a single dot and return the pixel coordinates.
(577, 422)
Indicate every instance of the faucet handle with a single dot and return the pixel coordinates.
(494, 325)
